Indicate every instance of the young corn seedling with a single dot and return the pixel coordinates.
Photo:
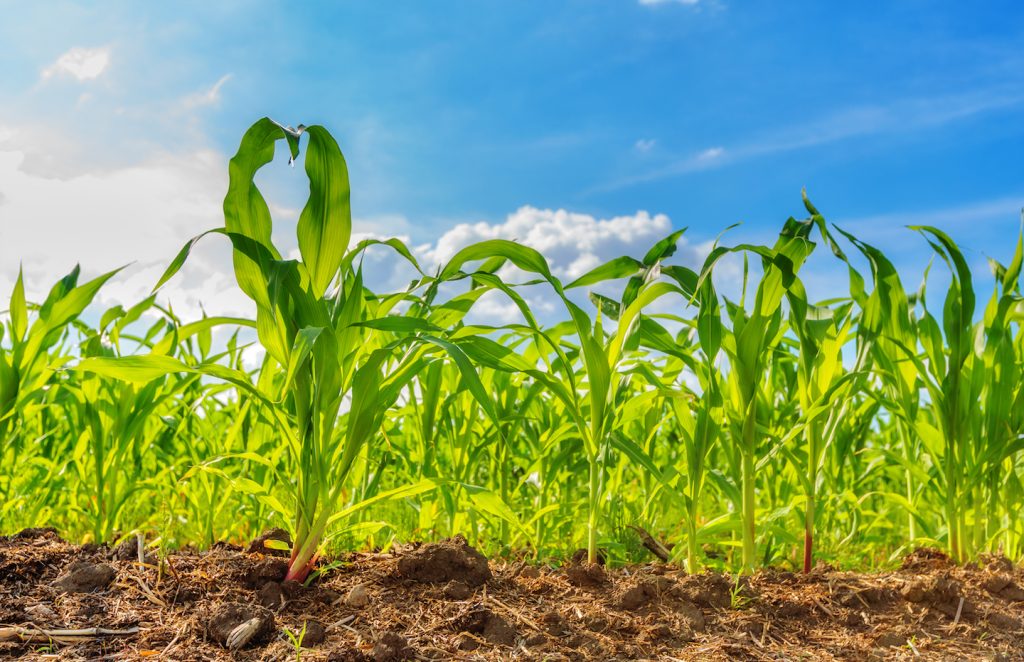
(944, 374)
(698, 415)
(996, 379)
(598, 377)
(31, 357)
(749, 347)
(823, 391)
(884, 326)
(317, 321)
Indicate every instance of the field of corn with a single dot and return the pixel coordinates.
(768, 430)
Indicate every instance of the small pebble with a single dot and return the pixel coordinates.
(530, 572)
(41, 614)
(456, 590)
(315, 634)
(358, 597)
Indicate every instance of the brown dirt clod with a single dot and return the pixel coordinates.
(996, 563)
(315, 634)
(39, 532)
(85, 577)
(691, 613)
(349, 654)
(711, 591)
(488, 625)
(586, 575)
(392, 647)
(438, 563)
(579, 557)
(271, 596)
(227, 617)
(926, 557)
(266, 570)
(358, 597)
(456, 590)
(941, 593)
(127, 550)
(1012, 592)
(645, 592)
(259, 546)
(996, 582)
(1005, 622)
(890, 639)
(530, 572)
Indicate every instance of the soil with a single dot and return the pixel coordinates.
(446, 601)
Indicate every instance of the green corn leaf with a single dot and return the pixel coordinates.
(401, 492)
(246, 212)
(523, 257)
(19, 309)
(135, 369)
(620, 267)
(663, 249)
(325, 223)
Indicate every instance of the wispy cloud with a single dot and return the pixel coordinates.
(650, 3)
(82, 64)
(905, 116)
(1005, 210)
(710, 154)
(645, 144)
(207, 97)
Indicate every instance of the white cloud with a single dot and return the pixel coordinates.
(644, 144)
(711, 154)
(81, 64)
(1006, 210)
(208, 97)
(572, 242)
(140, 214)
(901, 116)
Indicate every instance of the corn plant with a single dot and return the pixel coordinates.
(996, 378)
(601, 354)
(749, 346)
(35, 350)
(314, 318)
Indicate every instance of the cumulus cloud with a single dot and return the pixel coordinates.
(82, 64)
(572, 242)
(139, 214)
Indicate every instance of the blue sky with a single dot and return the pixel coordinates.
(541, 121)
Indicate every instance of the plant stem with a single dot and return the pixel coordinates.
(905, 439)
(593, 502)
(813, 445)
(691, 543)
(951, 509)
(747, 468)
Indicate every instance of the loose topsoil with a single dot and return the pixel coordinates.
(446, 601)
